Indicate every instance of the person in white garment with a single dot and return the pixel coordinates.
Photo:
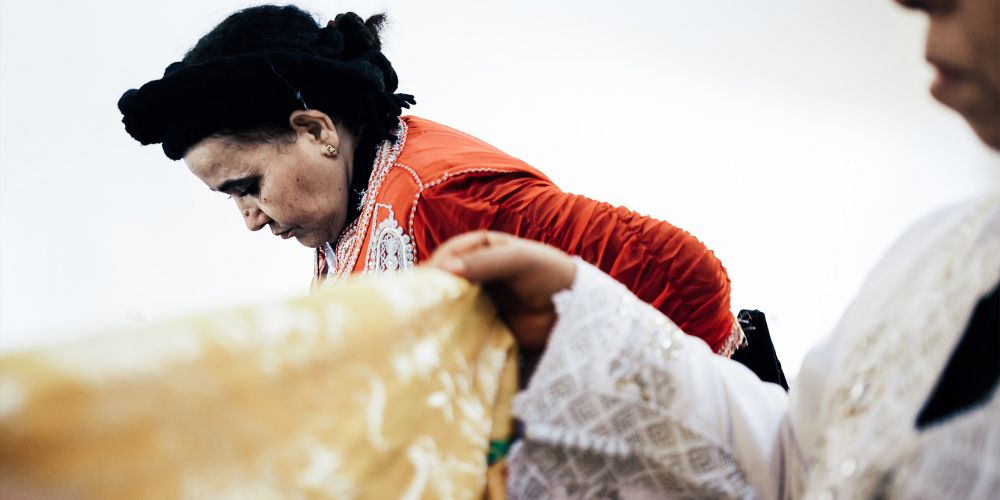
(900, 401)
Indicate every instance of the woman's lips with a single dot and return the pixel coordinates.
(288, 233)
(945, 79)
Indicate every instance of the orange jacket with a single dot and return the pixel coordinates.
(439, 182)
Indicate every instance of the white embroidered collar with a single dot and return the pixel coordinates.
(342, 256)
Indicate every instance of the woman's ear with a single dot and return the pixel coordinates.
(317, 124)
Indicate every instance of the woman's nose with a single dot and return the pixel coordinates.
(253, 216)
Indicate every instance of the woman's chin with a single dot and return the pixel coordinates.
(308, 240)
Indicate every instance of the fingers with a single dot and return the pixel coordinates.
(495, 262)
(461, 244)
(452, 255)
(485, 256)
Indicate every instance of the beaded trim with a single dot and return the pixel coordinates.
(442, 179)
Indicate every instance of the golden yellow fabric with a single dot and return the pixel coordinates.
(387, 387)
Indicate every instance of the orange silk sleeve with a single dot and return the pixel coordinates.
(660, 263)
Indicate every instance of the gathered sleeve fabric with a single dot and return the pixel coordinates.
(625, 405)
(660, 263)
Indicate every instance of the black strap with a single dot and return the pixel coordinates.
(759, 355)
(973, 370)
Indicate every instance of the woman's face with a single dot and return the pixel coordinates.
(963, 45)
(293, 188)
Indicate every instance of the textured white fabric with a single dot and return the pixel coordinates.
(618, 407)
(624, 405)
(960, 459)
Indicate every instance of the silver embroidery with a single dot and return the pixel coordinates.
(390, 249)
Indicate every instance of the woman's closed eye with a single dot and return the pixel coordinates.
(250, 190)
(249, 186)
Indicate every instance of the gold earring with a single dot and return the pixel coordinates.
(331, 151)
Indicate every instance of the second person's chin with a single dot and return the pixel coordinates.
(987, 127)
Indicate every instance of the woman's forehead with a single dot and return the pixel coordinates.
(217, 158)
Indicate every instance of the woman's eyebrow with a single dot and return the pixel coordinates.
(230, 184)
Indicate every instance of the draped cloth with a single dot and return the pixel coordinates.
(387, 387)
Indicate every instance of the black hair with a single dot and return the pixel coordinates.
(245, 77)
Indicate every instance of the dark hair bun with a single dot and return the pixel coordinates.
(359, 36)
(260, 64)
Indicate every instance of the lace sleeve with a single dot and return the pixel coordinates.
(624, 404)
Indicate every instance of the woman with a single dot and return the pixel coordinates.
(300, 124)
(901, 401)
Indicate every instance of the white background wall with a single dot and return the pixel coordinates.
(796, 138)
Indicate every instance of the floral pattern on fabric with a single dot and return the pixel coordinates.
(389, 387)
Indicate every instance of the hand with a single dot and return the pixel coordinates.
(521, 276)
